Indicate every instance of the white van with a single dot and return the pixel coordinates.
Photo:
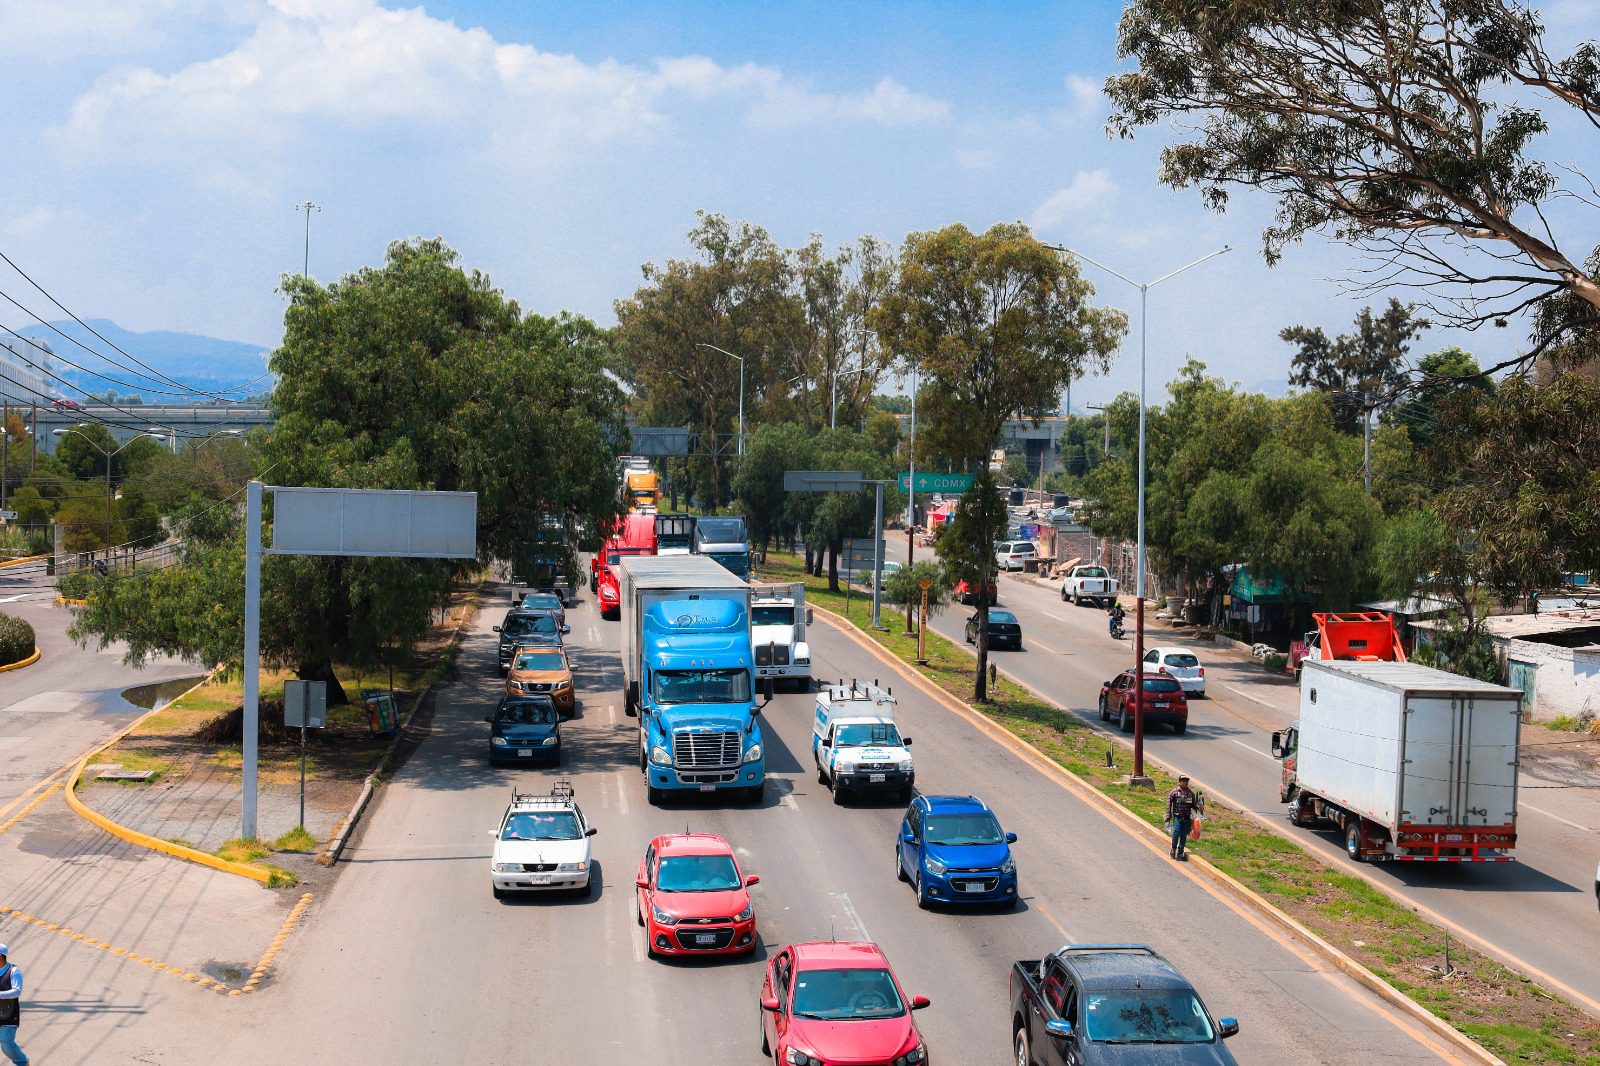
(1013, 554)
(856, 744)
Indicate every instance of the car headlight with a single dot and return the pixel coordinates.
(916, 1054)
(562, 686)
(497, 742)
(507, 867)
(1009, 866)
(660, 756)
(935, 867)
(550, 742)
(753, 754)
(662, 917)
(802, 660)
(572, 867)
(746, 914)
(845, 766)
(800, 1058)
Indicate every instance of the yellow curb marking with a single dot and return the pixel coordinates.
(19, 664)
(20, 815)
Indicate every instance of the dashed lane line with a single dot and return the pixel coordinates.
(20, 815)
(1525, 803)
(1252, 749)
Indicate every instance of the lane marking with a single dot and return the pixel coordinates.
(20, 815)
(1526, 805)
(622, 795)
(850, 912)
(594, 635)
(787, 800)
(1052, 614)
(1255, 699)
(1035, 642)
(1036, 904)
(1256, 751)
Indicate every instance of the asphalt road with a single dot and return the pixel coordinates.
(409, 958)
(1539, 909)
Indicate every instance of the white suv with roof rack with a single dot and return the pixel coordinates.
(542, 844)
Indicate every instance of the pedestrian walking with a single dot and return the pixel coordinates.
(1183, 803)
(10, 1008)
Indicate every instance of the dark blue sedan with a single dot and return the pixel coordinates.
(525, 729)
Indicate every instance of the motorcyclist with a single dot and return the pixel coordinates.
(1114, 625)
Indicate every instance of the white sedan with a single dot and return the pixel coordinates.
(542, 845)
(1182, 665)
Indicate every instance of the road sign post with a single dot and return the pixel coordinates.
(922, 626)
(933, 481)
(848, 481)
(305, 704)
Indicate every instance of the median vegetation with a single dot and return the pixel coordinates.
(1503, 1011)
(16, 640)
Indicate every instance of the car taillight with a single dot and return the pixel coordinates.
(1202, 671)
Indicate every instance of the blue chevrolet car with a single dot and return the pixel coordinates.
(952, 850)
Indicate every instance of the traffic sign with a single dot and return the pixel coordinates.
(823, 481)
(861, 553)
(932, 481)
(9, 516)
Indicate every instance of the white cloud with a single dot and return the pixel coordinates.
(1089, 191)
(1084, 100)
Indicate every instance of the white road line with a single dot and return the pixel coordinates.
(622, 796)
(1253, 699)
(611, 710)
(594, 635)
(850, 912)
(787, 800)
(1035, 642)
(1052, 614)
(1557, 817)
(1252, 749)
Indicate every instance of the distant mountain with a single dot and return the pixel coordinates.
(205, 363)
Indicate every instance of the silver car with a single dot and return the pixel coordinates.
(1181, 664)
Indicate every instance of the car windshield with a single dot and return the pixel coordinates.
(700, 686)
(612, 557)
(541, 601)
(845, 995)
(863, 734)
(1005, 617)
(541, 660)
(542, 825)
(697, 873)
(1146, 1016)
(1091, 571)
(1160, 684)
(737, 563)
(1183, 660)
(721, 530)
(525, 713)
(771, 616)
(980, 828)
(525, 624)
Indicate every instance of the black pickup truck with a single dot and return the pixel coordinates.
(1110, 1003)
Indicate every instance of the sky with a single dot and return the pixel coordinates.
(156, 149)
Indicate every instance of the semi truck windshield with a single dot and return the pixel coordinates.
(700, 686)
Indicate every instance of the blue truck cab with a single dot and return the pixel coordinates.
(689, 676)
(952, 850)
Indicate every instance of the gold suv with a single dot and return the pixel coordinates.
(543, 670)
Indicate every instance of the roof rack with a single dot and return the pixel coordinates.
(859, 690)
(1144, 949)
(561, 794)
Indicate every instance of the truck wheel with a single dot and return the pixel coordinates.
(899, 867)
(1076, 602)
(822, 777)
(754, 793)
(1300, 815)
(1352, 840)
(1124, 721)
(1020, 1043)
(1063, 594)
(499, 894)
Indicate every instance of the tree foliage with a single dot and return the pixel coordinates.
(1360, 371)
(1402, 126)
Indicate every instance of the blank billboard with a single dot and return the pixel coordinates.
(375, 522)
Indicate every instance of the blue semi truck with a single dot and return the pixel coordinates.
(689, 676)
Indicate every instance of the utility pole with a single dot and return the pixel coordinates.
(307, 207)
(5, 449)
(1366, 442)
(33, 439)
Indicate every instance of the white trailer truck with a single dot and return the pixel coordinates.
(1410, 763)
(778, 620)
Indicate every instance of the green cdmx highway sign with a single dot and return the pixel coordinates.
(936, 482)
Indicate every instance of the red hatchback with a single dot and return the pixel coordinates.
(1164, 701)
(693, 899)
(829, 1004)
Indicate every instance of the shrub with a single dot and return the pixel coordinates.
(1276, 662)
(16, 640)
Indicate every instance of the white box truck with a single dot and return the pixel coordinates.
(1410, 763)
(856, 745)
(778, 620)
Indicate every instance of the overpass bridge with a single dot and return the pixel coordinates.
(181, 422)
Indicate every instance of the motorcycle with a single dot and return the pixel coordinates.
(1116, 629)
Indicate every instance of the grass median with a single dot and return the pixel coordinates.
(1503, 1011)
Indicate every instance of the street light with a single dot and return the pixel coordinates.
(725, 351)
(109, 456)
(1138, 640)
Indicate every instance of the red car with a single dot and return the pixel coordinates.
(1164, 701)
(828, 1003)
(965, 593)
(693, 899)
(609, 593)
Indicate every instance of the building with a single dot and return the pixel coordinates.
(22, 380)
(1552, 656)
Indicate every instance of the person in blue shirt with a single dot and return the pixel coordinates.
(10, 1008)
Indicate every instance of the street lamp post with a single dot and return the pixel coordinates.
(307, 207)
(109, 456)
(725, 351)
(1138, 640)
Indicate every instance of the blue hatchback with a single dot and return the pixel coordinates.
(951, 848)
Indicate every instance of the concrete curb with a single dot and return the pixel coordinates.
(24, 559)
(20, 663)
(1134, 823)
(62, 601)
(145, 840)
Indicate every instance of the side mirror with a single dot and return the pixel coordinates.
(770, 1005)
(497, 629)
(566, 628)
(494, 832)
(809, 616)
(766, 691)
(909, 836)
(1277, 744)
(918, 1002)
(641, 882)
(591, 831)
(1058, 1027)
(1011, 838)
(827, 743)
(905, 742)
(1227, 1027)
(752, 879)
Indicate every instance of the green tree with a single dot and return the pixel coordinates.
(758, 484)
(904, 586)
(1016, 471)
(1439, 376)
(1362, 371)
(1384, 123)
(999, 325)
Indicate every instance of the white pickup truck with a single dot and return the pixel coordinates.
(856, 744)
(1089, 583)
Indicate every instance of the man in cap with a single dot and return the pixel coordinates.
(1183, 803)
(10, 1008)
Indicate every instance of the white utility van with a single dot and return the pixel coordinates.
(856, 744)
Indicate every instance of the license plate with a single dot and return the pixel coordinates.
(705, 938)
(708, 788)
(539, 879)
(525, 754)
(874, 779)
(1453, 836)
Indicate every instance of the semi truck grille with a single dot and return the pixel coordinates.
(721, 778)
(772, 656)
(691, 751)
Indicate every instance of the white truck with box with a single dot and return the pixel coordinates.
(856, 745)
(778, 620)
(1410, 763)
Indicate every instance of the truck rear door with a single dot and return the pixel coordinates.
(1459, 761)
